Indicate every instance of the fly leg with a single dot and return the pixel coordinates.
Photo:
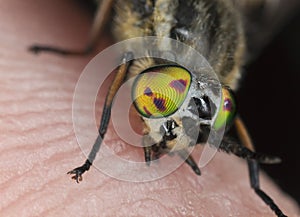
(101, 18)
(117, 82)
(253, 167)
(254, 181)
(190, 161)
(147, 149)
(230, 146)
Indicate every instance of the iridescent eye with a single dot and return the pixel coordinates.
(227, 109)
(159, 91)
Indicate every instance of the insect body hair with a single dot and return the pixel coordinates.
(212, 27)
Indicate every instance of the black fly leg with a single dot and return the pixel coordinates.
(101, 17)
(117, 82)
(147, 152)
(253, 166)
(147, 145)
(157, 151)
(190, 161)
(253, 159)
(254, 180)
(230, 146)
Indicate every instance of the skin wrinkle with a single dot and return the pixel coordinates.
(29, 194)
(151, 203)
(39, 197)
(34, 199)
(193, 202)
(8, 182)
(32, 112)
(34, 136)
(34, 180)
(33, 129)
(21, 196)
(31, 147)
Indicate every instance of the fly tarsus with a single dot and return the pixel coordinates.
(79, 171)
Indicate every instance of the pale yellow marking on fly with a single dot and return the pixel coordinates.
(163, 19)
(128, 23)
(140, 65)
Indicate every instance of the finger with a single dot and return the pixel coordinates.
(38, 145)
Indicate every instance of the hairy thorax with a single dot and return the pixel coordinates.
(212, 27)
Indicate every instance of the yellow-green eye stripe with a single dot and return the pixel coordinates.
(227, 110)
(159, 91)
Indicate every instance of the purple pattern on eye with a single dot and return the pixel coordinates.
(148, 92)
(147, 111)
(159, 104)
(227, 105)
(179, 85)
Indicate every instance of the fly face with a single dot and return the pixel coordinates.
(174, 108)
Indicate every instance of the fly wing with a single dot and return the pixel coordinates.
(263, 19)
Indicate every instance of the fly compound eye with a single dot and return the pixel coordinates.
(160, 90)
(227, 109)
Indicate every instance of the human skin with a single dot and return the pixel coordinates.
(38, 145)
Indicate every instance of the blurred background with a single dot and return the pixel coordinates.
(269, 104)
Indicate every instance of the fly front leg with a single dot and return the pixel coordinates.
(147, 145)
(116, 84)
(190, 161)
(101, 17)
(147, 152)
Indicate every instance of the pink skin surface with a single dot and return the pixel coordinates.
(38, 145)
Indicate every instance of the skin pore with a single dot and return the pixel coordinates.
(38, 145)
